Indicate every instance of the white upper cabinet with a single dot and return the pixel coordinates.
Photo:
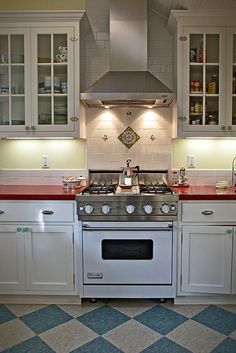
(206, 73)
(39, 74)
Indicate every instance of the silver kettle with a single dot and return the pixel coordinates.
(129, 173)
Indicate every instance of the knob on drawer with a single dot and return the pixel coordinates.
(1, 211)
(47, 212)
(207, 212)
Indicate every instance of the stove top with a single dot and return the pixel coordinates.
(106, 198)
(110, 183)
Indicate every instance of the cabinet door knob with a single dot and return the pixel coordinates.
(33, 128)
(19, 229)
(47, 212)
(182, 118)
(27, 128)
(207, 212)
(74, 118)
(1, 211)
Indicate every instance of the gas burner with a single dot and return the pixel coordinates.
(162, 189)
(100, 189)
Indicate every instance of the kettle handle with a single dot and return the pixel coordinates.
(137, 170)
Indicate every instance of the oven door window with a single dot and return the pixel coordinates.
(127, 249)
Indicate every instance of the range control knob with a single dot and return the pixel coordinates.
(106, 209)
(148, 209)
(165, 208)
(88, 209)
(129, 209)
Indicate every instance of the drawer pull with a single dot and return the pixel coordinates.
(47, 212)
(229, 231)
(207, 212)
(1, 211)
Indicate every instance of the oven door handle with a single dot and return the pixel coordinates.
(136, 229)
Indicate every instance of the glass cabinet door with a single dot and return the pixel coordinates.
(203, 79)
(231, 80)
(52, 61)
(14, 76)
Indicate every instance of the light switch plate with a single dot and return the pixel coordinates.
(191, 161)
(45, 162)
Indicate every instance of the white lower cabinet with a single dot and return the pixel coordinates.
(207, 248)
(12, 264)
(206, 259)
(37, 257)
(234, 265)
(49, 258)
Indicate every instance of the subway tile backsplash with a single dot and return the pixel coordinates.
(37, 176)
(206, 176)
(54, 177)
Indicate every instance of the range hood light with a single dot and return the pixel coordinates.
(150, 106)
(107, 106)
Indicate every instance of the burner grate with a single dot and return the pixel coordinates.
(100, 189)
(162, 189)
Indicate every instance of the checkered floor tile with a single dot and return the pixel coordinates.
(118, 326)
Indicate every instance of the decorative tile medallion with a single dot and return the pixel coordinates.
(128, 137)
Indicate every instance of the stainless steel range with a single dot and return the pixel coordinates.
(128, 235)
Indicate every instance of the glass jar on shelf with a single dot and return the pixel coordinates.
(212, 85)
(234, 84)
(193, 55)
(212, 118)
(202, 57)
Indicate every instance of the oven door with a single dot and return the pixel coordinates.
(133, 254)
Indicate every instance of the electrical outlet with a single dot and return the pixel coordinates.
(45, 163)
(191, 161)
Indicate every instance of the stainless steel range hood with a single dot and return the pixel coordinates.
(128, 83)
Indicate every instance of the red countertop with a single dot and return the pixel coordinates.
(37, 192)
(205, 192)
(57, 192)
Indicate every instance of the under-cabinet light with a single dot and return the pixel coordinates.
(39, 138)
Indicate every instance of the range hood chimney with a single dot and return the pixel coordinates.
(128, 83)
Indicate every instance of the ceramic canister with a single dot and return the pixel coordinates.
(56, 84)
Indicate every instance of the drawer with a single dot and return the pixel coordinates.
(37, 211)
(208, 212)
